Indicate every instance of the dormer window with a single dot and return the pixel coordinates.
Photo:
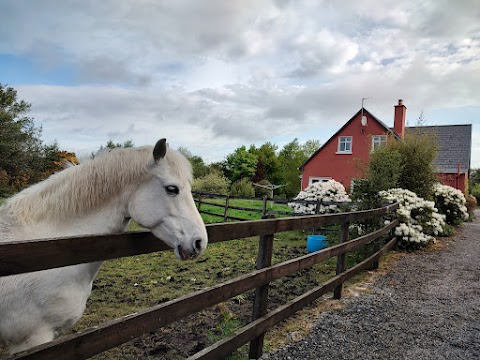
(344, 145)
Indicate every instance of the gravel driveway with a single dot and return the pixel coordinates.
(426, 307)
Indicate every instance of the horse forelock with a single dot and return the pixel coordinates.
(77, 190)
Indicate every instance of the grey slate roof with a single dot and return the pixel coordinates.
(454, 146)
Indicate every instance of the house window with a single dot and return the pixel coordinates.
(344, 145)
(378, 140)
(314, 179)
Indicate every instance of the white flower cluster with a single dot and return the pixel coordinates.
(325, 192)
(451, 201)
(419, 218)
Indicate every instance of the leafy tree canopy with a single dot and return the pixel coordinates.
(199, 167)
(24, 158)
(241, 163)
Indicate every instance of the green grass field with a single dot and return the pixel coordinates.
(127, 285)
(242, 214)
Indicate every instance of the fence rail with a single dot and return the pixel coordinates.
(25, 256)
(201, 196)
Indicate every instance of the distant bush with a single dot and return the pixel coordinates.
(475, 191)
(471, 205)
(242, 187)
(211, 183)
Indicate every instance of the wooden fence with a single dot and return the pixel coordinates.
(34, 255)
(204, 198)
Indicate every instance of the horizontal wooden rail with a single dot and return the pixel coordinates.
(119, 331)
(33, 255)
(236, 218)
(241, 336)
(210, 213)
(221, 196)
(213, 204)
(244, 209)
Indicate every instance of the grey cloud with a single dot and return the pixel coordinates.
(102, 69)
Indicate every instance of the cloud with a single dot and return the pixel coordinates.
(217, 74)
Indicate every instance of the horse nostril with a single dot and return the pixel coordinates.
(198, 244)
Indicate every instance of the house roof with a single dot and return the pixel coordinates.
(454, 146)
(387, 129)
(454, 143)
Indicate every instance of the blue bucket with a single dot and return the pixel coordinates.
(316, 242)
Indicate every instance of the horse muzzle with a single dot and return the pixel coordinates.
(190, 252)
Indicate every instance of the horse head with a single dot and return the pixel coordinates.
(164, 204)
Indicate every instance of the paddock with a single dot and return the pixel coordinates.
(41, 254)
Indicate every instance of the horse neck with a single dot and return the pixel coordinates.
(101, 186)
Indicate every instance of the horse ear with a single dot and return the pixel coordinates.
(160, 149)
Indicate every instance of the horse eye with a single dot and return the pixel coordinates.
(172, 190)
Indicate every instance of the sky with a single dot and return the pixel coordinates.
(213, 75)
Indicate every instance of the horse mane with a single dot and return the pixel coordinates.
(79, 189)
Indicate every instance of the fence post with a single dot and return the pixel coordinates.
(317, 208)
(260, 302)
(264, 206)
(225, 213)
(337, 292)
(199, 202)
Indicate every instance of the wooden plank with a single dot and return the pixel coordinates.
(119, 331)
(210, 195)
(241, 336)
(33, 255)
(281, 212)
(337, 293)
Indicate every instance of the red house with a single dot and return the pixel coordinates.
(339, 157)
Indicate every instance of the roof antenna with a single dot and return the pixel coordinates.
(363, 118)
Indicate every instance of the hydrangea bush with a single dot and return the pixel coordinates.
(420, 220)
(451, 202)
(325, 192)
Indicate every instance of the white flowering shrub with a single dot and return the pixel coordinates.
(450, 202)
(420, 220)
(329, 191)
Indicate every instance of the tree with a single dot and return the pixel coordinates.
(240, 164)
(406, 164)
(268, 164)
(417, 151)
(111, 145)
(421, 120)
(474, 176)
(199, 168)
(24, 159)
(310, 147)
(291, 157)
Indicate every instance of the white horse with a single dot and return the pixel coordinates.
(100, 196)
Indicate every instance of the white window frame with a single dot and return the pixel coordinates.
(378, 140)
(352, 184)
(347, 141)
(316, 179)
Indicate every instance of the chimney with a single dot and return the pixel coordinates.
(399, 119)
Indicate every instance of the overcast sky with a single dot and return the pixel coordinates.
(214, 75)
